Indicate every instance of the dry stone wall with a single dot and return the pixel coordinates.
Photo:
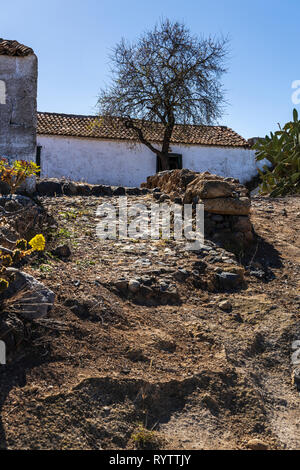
(226, 203)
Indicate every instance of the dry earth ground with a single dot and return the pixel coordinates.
(201, 377)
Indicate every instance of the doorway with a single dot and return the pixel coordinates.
(174, 162)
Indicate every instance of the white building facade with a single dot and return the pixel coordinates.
(118, 161)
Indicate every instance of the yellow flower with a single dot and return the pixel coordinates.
(21, 244)
(6, 260)
(3, 285)
(38, 243)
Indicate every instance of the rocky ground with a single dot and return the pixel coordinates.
(142, 335)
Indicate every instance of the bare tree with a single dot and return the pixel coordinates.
(168, 77)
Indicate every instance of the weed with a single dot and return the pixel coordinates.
(144, 439)
(45, 268)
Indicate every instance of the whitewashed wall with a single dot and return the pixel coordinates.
(118, 163)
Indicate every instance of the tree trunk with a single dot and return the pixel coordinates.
(166, 142)
(164, 161)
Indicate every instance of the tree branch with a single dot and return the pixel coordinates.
(129, 125)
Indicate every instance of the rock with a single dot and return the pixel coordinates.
(62, 251)
(258, 273)
(200, 266)
(49, 188)
(297, 376)
(176, 182)
(134, 286)
(69, 188)
(121, 285)
(133, 191)
(239, 270)
(242, 224)
(296, 345)
(257, 444)
(207, 189)
(147, 280)
(101, 190)
(4, 188)
(164, 197)
(157, 196)
(173, 180)
(205, 249)
(84, 190)
(178, 200)
(228, 281)
(34, 299)
(217, 218)
(225, 305)
(145, 191)
(120, 191)
(227, 205)
(163, 286)
(181, 274)
(296, 358)
(146, 292)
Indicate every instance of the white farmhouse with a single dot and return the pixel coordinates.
(83, 148)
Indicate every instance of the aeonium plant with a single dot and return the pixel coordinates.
(8, 258)
(17, 172)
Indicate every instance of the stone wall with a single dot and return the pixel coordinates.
(226, 203)
(18, 102)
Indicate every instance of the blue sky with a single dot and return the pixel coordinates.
(73, 39)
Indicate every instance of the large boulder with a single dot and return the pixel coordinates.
(49, 188)
(207, 189)
(227, 205)
(56, 187)
(133, 191)
(83, 189)
(170, 181)
(31, 298)
(101, 190)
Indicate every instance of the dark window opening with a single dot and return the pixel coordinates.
(174, 162)
(38, 157)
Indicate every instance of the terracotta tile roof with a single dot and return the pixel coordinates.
(14, 48)
(93, 127)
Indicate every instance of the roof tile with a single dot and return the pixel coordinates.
(14, 48)
(113, 128)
